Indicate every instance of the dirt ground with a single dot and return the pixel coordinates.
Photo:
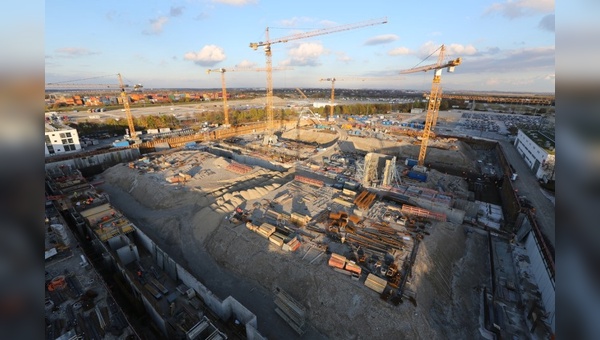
(190, 224)
(448, 152)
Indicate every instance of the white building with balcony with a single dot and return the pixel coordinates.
(537, 149)
(60, 140)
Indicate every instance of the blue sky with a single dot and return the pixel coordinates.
(505, 45)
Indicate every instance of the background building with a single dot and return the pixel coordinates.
(60, 139)
(537, 149)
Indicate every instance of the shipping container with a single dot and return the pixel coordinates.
(410, 162)
(350, 185)
(121, 144)
(419, 176)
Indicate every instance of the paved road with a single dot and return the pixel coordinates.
(527, 185)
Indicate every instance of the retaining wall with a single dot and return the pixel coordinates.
(223, 308)
(98, 162)
(452, 214)
(245, 159)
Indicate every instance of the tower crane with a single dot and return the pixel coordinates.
(127, 109)
(121, 86)
(224, 88)
(333, 80)
(301, 93)
(269, 64)
(435, 97)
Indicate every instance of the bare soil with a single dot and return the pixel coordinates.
(189, 223)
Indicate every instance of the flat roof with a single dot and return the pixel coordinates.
(543, 138)
(53, 127)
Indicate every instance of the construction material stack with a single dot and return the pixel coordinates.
(364, 200)
(342, 265)
(375, 283)
(308, 180)
(292, 245)
(290, 310)
(239, 168)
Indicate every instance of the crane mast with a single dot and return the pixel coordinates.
(224, 94)
(332, 98)
(127, 109)
(301, 93)
(333, 80)
(224, 87)
(435, 97)
(269, 62)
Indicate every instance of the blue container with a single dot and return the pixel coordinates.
(419, 176)
(410, 162)
(121, 144)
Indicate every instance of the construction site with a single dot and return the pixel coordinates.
(336, 227)
(356, 240)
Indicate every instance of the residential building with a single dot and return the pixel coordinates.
(537, 149)
(61, 139)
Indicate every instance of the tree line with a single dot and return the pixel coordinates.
(239, 117)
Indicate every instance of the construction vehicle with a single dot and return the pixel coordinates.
(224, 88)
(269, 63)
(435, 97)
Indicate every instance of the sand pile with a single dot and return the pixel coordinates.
(206, 209)
(310, 135)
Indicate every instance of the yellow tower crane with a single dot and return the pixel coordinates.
(435, 97)
(333, 80)
(301, 93)
(127, 109)
(269, 64)
(121, 86)
(224, 87)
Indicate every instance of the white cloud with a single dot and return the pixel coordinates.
(209, 55)
(381, 39)
(454, 50)
(156, 26)
(202, 16)
(518, 8)
(343, 57)
(328, 23)
(492, 81)
(536, 59)
(246, 64)
(547, 23)
(74, 51)
(400, 51)
(236, 2)
(110, 15)
(305, 54)
(550, 77)
(176, 11)
(459, 50)
(293, 22)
